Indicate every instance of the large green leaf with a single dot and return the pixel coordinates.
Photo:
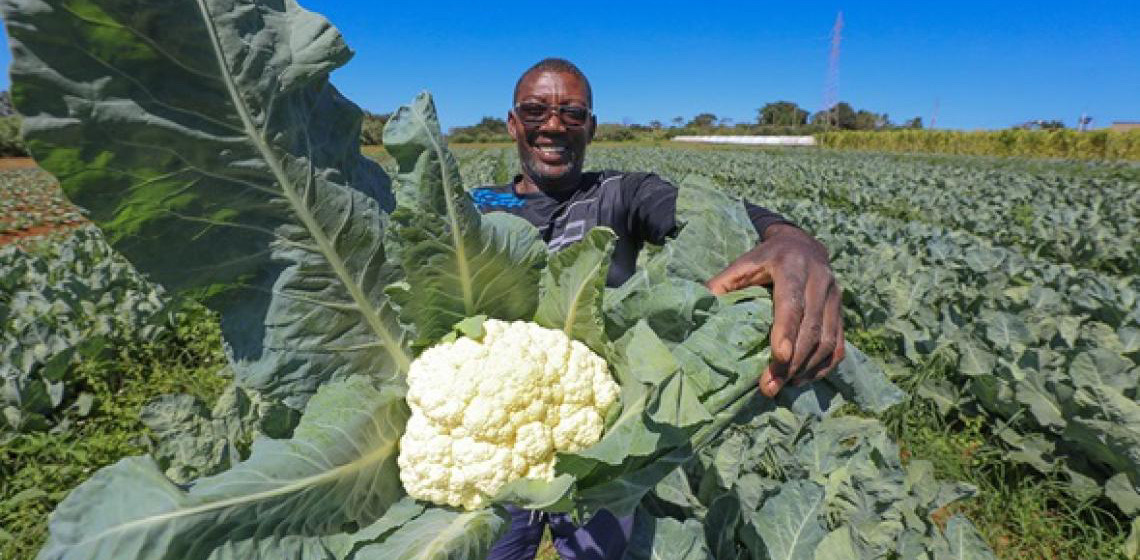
(643, 362)
(715, 229)
(721, 524)
(666, 539)
(189, 131)
(731, 343)
(965, 541)
(460, 263)
(338, 470)
(572, 289)
(860, 379)
(789, 525)
(440, 534)
(666, 415)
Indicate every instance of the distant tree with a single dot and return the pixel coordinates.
(781, 113)
(678, 121)
(614, 132)
(842, 115)
(1041, 124)
(703, 120)
(655, 125)
(913, 123)
(492, 125)
(868, 120)
(489, 129)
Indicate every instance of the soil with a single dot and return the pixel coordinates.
(17, 163)
(15, 236)
(7, 237)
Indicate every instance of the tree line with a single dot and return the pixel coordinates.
(776, 118)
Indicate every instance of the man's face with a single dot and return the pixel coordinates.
(551, 152)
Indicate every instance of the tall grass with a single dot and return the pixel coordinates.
(1068, 144)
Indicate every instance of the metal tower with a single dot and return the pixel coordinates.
(831, 86)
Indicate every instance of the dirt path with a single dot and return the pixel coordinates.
(17, 163)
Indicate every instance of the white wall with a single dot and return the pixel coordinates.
(751, 140)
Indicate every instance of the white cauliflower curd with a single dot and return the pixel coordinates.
(487, 412)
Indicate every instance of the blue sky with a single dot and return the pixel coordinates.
(978, 64)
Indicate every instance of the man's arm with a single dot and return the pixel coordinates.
(807, 328)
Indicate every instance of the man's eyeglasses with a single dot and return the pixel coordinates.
(533, 114)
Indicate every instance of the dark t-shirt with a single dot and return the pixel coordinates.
(639, 207)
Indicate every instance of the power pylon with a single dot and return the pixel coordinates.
(831, 86)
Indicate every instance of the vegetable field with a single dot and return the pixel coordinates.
(277, 346)
(998, 290)
(1017, 351)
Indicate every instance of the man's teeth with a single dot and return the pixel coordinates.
(551, 149)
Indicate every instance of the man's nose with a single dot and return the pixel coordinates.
(553, 121)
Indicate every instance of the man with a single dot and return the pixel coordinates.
(552, 122)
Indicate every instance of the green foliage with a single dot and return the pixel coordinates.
(1060, 143)
(782, 113)
(261, 194)
(703, 120)
(1043, 365)
(38, 469)
(787, 487)
(1027, 515)
(1042, 352)
(841, 116)
(11, 143)
(490, 129)
(30, 198)
(1087, 214)
(68, 303)
(320, 300)
(281, 225)
(611, 132)
(457, 263)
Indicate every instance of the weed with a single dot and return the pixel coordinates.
(37, 470)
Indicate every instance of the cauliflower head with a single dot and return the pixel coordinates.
(487, 412)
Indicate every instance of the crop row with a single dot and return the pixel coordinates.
(1085, 216)
(30, 198)
(1050, 351)
(58, 304)
(1065, 143)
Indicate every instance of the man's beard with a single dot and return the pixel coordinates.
(546, 180)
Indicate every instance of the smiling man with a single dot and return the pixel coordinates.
(552, 122)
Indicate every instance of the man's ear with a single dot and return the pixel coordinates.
(511, 123)
(593, 128)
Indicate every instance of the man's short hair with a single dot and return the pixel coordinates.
(556, 65)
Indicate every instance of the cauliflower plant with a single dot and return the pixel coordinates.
(486, 412)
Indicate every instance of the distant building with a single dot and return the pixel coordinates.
(1125, 125)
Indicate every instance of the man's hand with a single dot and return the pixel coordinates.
(807, 327)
